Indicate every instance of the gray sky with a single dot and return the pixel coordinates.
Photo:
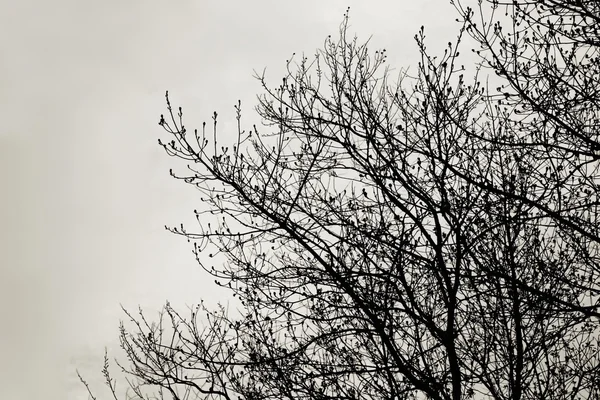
(85, 186)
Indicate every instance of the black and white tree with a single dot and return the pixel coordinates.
(427, 236)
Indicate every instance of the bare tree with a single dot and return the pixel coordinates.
(425, 238)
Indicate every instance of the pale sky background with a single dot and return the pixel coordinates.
(85, 186)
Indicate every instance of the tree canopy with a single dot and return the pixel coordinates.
(435, 236)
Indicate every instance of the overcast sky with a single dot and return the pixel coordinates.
(85, 186)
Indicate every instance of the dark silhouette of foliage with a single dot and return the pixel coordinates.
(434, 237)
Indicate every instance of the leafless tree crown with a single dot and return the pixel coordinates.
(434, 236)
